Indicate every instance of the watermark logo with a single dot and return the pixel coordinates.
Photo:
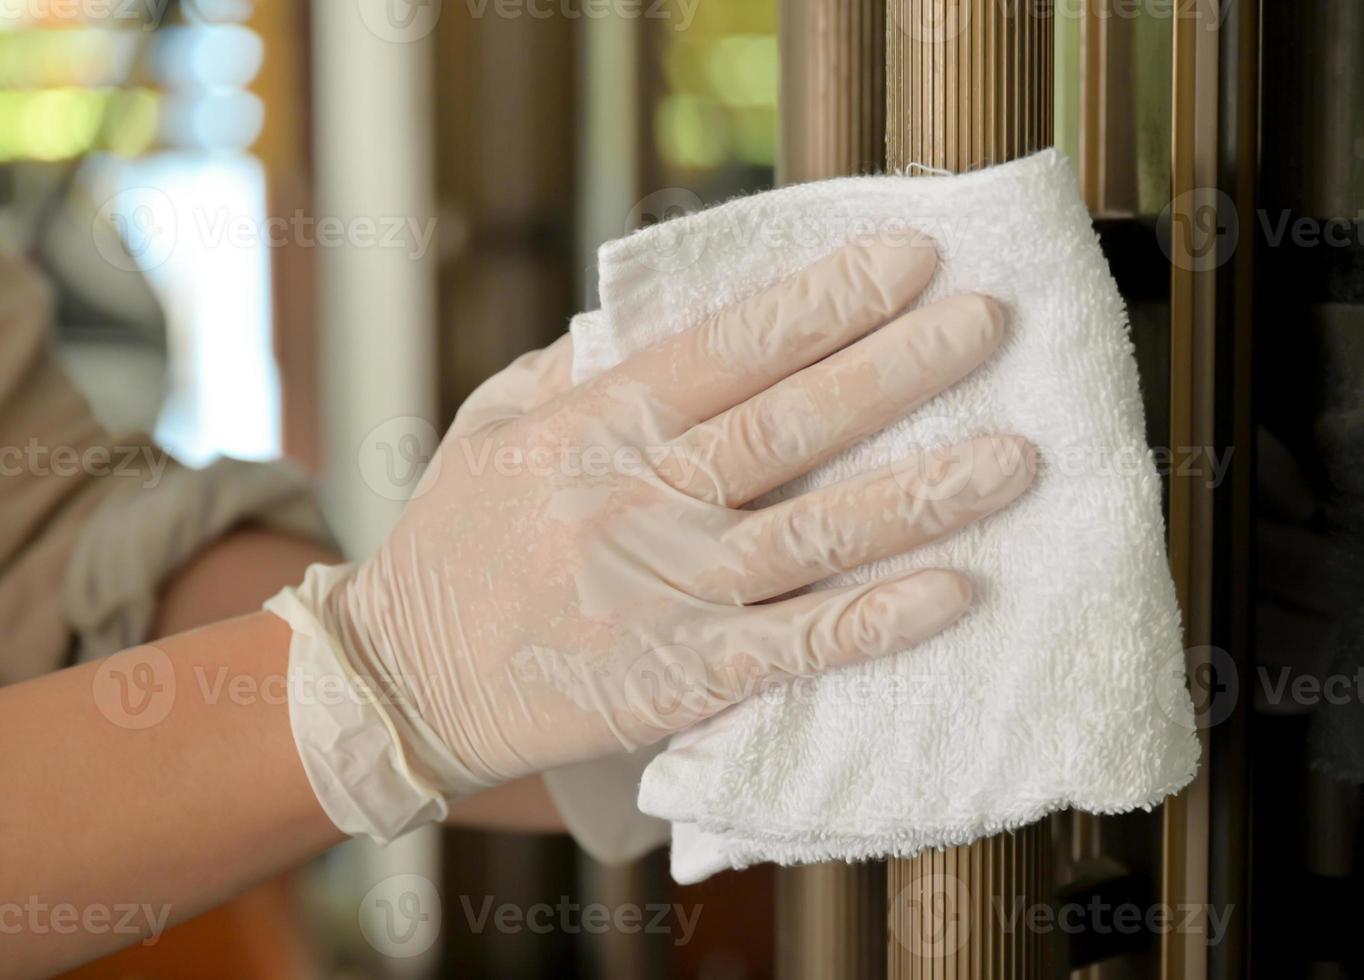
(400, 21)
(939, 473)
(572, 918)
(144, 229)
(1199, 229)
(135, 689)
(395, 455)
(932, 916)
(932, 21)
(400, 916)
(144, 463)
(1101, 917)
(37, 917)
(671, 249)
(145, 14)
(1212, 685)
(946, 468)
(141, 228)
(1211, 14)
(666, 686)
(1306, 231)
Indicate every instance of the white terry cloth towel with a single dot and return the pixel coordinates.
(1064, 686)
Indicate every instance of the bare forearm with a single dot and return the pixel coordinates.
(164, 778)
(245, 568)
(110, 806)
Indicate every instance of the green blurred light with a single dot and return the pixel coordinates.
(755, 136)
(734, 17)
(722, 78)
(742, 70)
(684, 66)
(9, 125)
(136, 119)
(690, 132)
(61, 123)
(43, 125)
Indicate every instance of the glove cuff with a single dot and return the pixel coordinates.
(373, 769)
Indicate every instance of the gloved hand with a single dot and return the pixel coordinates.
(574, 572)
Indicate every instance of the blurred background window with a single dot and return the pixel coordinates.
(715, 121)
(125, 137)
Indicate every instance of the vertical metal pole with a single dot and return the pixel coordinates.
(831, 922)
(1193, 356)
(969, 84)
(833, 89)
(831, 918)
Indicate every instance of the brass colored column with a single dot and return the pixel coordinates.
(969, 84)
(831, 921)
(833, 89)
(831, 918)
(1193, 373)
(965, 912)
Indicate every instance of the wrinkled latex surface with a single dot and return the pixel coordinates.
(576, 571)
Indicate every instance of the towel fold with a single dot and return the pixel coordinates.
(1064, 686)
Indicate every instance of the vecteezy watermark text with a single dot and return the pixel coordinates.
(594, 918)
(37, 917)
(38, 459)
(151, 225)
(1102, 917)
(679, 12)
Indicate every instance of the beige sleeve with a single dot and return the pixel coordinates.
(48, 487)
(154, 523)
(91, 524)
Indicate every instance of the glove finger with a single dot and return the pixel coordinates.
(819, 631)
(663, 391)
(887, 512)
(790, 428)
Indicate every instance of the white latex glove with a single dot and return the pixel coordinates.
(573, 573)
